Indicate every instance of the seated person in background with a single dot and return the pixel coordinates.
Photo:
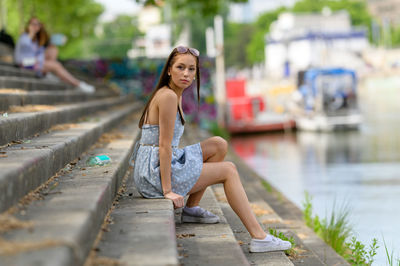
(30, 53)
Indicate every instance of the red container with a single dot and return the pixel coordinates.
(235, 88)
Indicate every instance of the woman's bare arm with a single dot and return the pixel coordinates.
(167, 108)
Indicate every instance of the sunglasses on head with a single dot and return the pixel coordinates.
(183, 50)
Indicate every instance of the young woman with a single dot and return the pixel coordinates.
(30, 53)
(162, 170)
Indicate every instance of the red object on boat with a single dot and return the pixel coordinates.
(245, 108)
(235, 88)
(243, 111)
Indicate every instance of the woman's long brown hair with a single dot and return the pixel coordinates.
(41, 37)
(164, 81)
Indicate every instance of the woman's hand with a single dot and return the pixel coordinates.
(177, 199)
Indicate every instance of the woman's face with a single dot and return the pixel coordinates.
(34, 26)
(183, 70)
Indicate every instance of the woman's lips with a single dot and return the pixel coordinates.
(184, 80)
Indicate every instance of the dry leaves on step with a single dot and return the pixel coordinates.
(259, 210)
(184, 235)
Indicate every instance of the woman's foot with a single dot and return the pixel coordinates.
(269, 243)
(198, 215)
(86, 88)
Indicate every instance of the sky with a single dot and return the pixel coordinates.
(249, 12)
(253, 8)
(114, 8)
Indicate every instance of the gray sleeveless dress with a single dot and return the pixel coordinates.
(186, 163)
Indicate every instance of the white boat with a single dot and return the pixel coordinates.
(327, 100)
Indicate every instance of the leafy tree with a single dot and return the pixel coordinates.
(237, 36)
(203, 7)
(116, 39)
(74, 18)
(198, 14)
(255, 48)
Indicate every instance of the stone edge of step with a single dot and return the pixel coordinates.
(23, 125)
(79, 245)
(47, 98)
(30, 83)
(131, 214)
(35, 170)
(285, 209)
(10, 70)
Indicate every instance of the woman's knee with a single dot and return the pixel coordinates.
(230, 170)
(52, 65)
(221, 145)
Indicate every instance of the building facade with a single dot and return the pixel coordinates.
(385, 10)
(297, 42)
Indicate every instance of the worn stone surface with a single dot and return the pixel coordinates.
(142, 231)
(29, 83)
(241, 234)
(10, 70)
(274, 211)
(46, 98)
(18, 126)
(73, 208)
(208, 244)
(27, 165)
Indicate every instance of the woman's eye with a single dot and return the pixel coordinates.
(192, 69)
(180, 67)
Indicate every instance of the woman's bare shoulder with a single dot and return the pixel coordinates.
(166, 95)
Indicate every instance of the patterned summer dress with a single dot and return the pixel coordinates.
(186, 163)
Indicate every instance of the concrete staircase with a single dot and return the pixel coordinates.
(55, 210)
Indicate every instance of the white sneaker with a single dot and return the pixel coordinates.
(270, 243)
(86, 88)
(50, 76)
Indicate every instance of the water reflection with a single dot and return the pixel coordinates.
(357, 168)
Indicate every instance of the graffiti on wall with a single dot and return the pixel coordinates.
(140, 76)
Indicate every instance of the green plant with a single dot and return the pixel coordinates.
(216, 130)
(333, 231)
(266, 185)
(358, 254)
(307, 212)
(285, 238)
(389, 256)
(336, 231)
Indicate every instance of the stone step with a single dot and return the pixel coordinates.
(142, 232)
(18, 126)
(10, 97)
(286, 218)
(208, 244)
(29, 83)
(11, 70)
(274, 211)
(74, 204)
(277, 258)
(26, 166)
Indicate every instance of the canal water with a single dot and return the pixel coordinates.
(359, 169)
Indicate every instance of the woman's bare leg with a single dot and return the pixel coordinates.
(226, 173)
(214, 150)
(58, 69)
(51, 53)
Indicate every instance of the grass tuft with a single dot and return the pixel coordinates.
(282, 236)
(337, 232)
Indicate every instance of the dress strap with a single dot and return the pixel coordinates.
(181, 115)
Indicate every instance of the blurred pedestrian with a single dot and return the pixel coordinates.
(30, 53)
